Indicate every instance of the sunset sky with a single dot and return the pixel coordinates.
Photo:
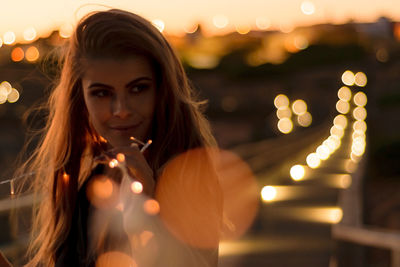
(46, 15)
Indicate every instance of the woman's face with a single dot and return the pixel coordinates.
(120, 98)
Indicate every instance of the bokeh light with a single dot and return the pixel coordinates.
(344, 93)
(32, 54)
(159, 24)
(102, 192)
(297, 172)
(151, 207)
(313, 161)
(9, 38)
(5, 88)
(13, 96)
(336, 131)
(285, 125)
(263, 23)
(323, 152)
(305, 119)
(281, 100)
(340, 121)
(136, 187)
(17, 54)
(360, 113)
(191, 28)
(299, 107)
(360, 99)
(268, 193)
(360, 79)
(29, 34)
(191, 176)
(360, 126)
(307, 7)
(283, 112)
(220, 21)
(65, 31)
(343, 106)
(243, 29)
(348, 78)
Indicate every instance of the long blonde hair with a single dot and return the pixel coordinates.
(62, 159)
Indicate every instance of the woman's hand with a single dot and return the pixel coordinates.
(138, 168)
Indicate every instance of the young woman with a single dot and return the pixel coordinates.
(122, 85)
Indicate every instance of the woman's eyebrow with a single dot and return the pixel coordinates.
(144, 78)
(129, 84)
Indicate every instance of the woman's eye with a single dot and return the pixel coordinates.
(139, 87)
(100, 93)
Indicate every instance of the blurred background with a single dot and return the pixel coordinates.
(306, 93)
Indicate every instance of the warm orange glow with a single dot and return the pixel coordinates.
(102, 192)
(17, 54)
(285, 125)
(348, 78)
(191, 177)
(350, 166)
(344, 93)
(243, 29)
(281, 101)
(382, 55)
(120, 157)
(145, 237)
(115, 258)
(301, 42)
(65, 178)
(32, 54)
(151, 207)
(343, 106)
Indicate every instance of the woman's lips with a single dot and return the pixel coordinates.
(123, 128)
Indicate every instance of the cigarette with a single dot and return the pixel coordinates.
(146, 146)
(137, 140)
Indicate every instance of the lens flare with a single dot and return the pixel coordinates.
(159, 24)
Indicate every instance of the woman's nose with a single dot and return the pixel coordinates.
(120, 107)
